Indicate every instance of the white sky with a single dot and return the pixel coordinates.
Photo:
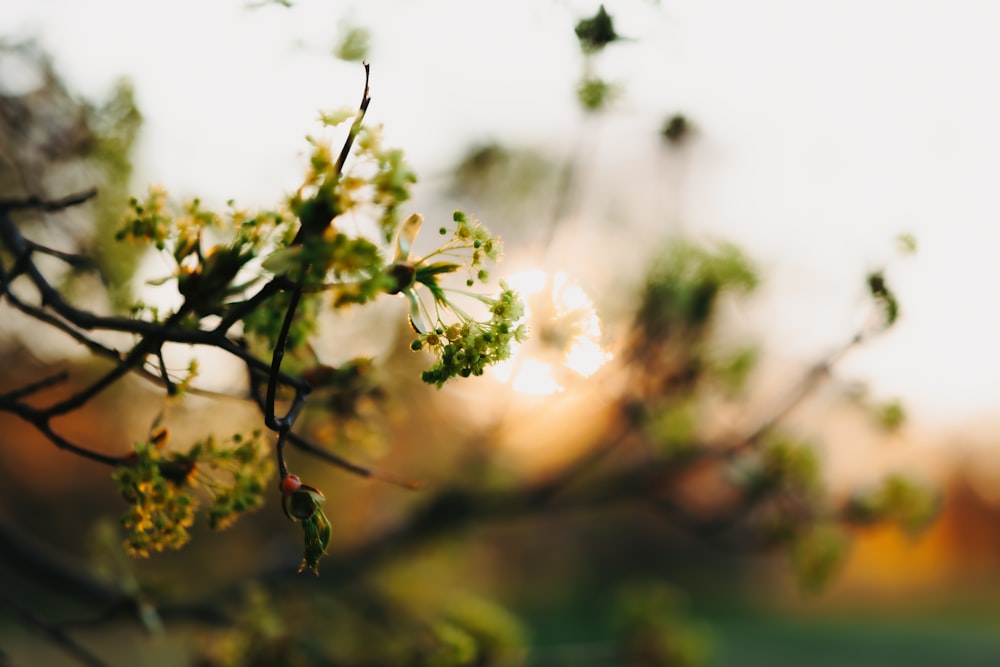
(824, 129)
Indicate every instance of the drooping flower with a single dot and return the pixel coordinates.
(464, 345)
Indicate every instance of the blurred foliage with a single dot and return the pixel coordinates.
(734, 367)
(682, 290)
(818, 552)
(53, 142)
(497, 636)
(786, 464)
(260, 638)
(501, 177)
(596, 94)
(884, 297)
(362, 627)
(354, 44)
(890, 415)
(907, 243)
(654, 629)
(596, 32)
(897, 499)
(676, 129)
(673, 429)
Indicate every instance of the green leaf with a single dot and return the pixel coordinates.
(426, 273)
(408, 232)
(336, 117)
(283, 260)
(417, 322)
(884, 297)
(907, 243)
(317, 532)
(818, 554)
(354, 45)
(890, 415)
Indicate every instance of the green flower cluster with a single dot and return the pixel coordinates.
(375, 185)
(245, 465)
(212, 252)
(161, 506)
(464, 345)
(475, 241)
(307, 243)
(468, 347)
(160, 488)
(147, 220)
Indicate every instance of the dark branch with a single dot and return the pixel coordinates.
(345, 151)
(37, 386)
(270, 417)
(76, 261)
(48, 205)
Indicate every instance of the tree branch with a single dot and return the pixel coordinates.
(48, 205)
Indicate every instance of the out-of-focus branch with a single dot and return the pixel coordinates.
(54, 634)
(813, 377)
(302, 443)
(282, 425)
(48, 205)
(34, 387)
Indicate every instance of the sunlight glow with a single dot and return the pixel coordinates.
(535, 378)
(565, 335)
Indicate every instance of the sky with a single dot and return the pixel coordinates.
(823, 130)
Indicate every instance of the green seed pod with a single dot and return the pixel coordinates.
(302, 503)
(317, 532)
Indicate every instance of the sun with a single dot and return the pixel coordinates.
(565, 335)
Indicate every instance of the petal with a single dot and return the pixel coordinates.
(407, 234)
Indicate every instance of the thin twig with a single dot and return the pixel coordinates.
(283, 425)
(48, 205)
(168, 383)
(304, 444)
(345, 151)
(271, 420)
(74, 260)
(29, 389)
(45, 317)
(134, 358)
(326, 455)
(41, 421)
(238, 311)
(816, 373)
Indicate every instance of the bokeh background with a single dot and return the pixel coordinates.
(815, 135)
